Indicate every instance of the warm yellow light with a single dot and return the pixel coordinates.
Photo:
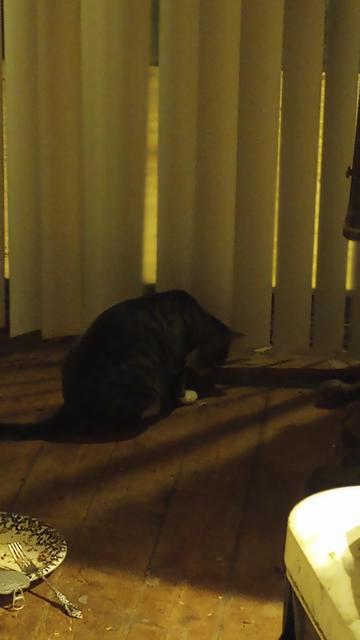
(277, 188)
(151, 195)
(350, 262)
(318, 182)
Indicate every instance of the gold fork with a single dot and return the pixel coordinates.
(28, 567)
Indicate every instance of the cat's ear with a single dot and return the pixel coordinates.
(236, 335)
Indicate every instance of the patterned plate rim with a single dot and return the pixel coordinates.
(21, 524)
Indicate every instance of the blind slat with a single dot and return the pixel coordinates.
(302, 69)
(260, 73)
(177, 141)
(216, 159)
(115, 53)
(342, 65)
(22, 165)
(59, 166)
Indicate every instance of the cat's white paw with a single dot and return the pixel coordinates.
(189, 397)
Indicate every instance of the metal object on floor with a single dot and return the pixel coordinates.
(28, 567)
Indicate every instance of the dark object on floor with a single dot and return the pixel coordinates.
(333, 477)
(334, 394)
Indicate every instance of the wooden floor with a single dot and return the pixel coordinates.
(175, 535)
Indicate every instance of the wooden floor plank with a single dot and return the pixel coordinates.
(27, 391)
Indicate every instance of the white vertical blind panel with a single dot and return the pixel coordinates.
(261, 51)
(22, 121)
(302, 67)
(59, 165)
(115, 58)
(2, 247)
(177, 141)
(342, 65)
(214, 220)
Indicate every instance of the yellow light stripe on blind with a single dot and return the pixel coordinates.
(151, 181)
(277, 189)
(318, 182)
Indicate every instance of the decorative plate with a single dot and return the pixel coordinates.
(44, 545)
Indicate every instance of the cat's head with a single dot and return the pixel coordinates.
(213, 350)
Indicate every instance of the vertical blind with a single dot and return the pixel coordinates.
(243, 207)
(341, 73)
(76, 91)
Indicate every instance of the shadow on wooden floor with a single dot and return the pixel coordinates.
(217, 493)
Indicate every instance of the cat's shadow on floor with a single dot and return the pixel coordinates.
(104, 433)
(206, 388)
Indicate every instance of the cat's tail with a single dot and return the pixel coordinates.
(46, 429)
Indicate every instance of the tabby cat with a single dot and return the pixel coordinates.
(132, 362)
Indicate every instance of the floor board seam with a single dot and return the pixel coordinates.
(228, 588)
(25, 479)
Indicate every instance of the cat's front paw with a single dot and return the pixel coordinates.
(189, 397)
